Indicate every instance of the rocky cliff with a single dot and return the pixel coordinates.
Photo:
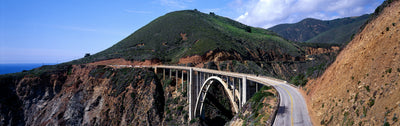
(362, 86)
(82, 95)
(103, 95)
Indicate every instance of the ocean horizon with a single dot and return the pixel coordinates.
(19, 67)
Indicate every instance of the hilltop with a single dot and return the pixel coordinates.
(187, 33)
(312, 30)
(362, 86)
(193, 38)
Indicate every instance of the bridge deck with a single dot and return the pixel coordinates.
(292, 106)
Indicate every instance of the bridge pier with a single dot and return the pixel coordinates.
(176, 80)
(244, 86)
(170, 73)
(163, 74)
(233, 82)
(197, 83)
(191, 116)
(256, 86)
(182, 82)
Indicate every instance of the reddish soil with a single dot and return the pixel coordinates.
(121, 61)
(362, 87)
(196, 59)
(315, 51)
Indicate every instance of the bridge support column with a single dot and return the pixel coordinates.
(190, 94)
(197, 83)
(233, 82)
(176, 80)
(244, 94)
(187, 79)
(170, 73)
(163, 73)
(201, 79)
(256, 86)
(240, 94)
(182, 82)
(227, 81)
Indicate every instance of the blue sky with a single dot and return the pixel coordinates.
(49, 31)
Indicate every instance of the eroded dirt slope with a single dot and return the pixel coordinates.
(362, 87)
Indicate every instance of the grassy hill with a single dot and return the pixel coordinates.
(318, 31)
(190, 32)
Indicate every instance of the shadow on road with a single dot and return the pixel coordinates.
(281, 109)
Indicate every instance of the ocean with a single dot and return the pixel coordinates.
(13, 68)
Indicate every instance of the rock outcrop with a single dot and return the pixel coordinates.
(82, 95)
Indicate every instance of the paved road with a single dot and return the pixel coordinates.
(292, 109)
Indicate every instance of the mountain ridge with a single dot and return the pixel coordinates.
(321, 31)
(190, 32)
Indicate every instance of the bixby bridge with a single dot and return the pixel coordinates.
(240, 87)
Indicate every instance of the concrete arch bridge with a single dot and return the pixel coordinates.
(239, 88)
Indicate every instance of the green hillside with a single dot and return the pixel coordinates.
(318, 31)
(190, 32)
(338, 35)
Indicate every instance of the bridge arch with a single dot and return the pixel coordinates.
(203, 92)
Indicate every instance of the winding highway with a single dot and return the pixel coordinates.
(292, 110)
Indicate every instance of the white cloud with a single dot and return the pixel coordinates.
(267, 13)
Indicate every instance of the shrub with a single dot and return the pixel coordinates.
(87, 54)
(261, 94)
(167, 82)
(123, 78)
(357, 113)
(389, 70)
(299, 80)
(386, 124)
(212, 13)
(186, 115)
(356, 97)
(364, 111)
(367, 88)
(248, 29)
(193, 120)
(180, 108)
(168, 111)
(371, 102)
(68, 73)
